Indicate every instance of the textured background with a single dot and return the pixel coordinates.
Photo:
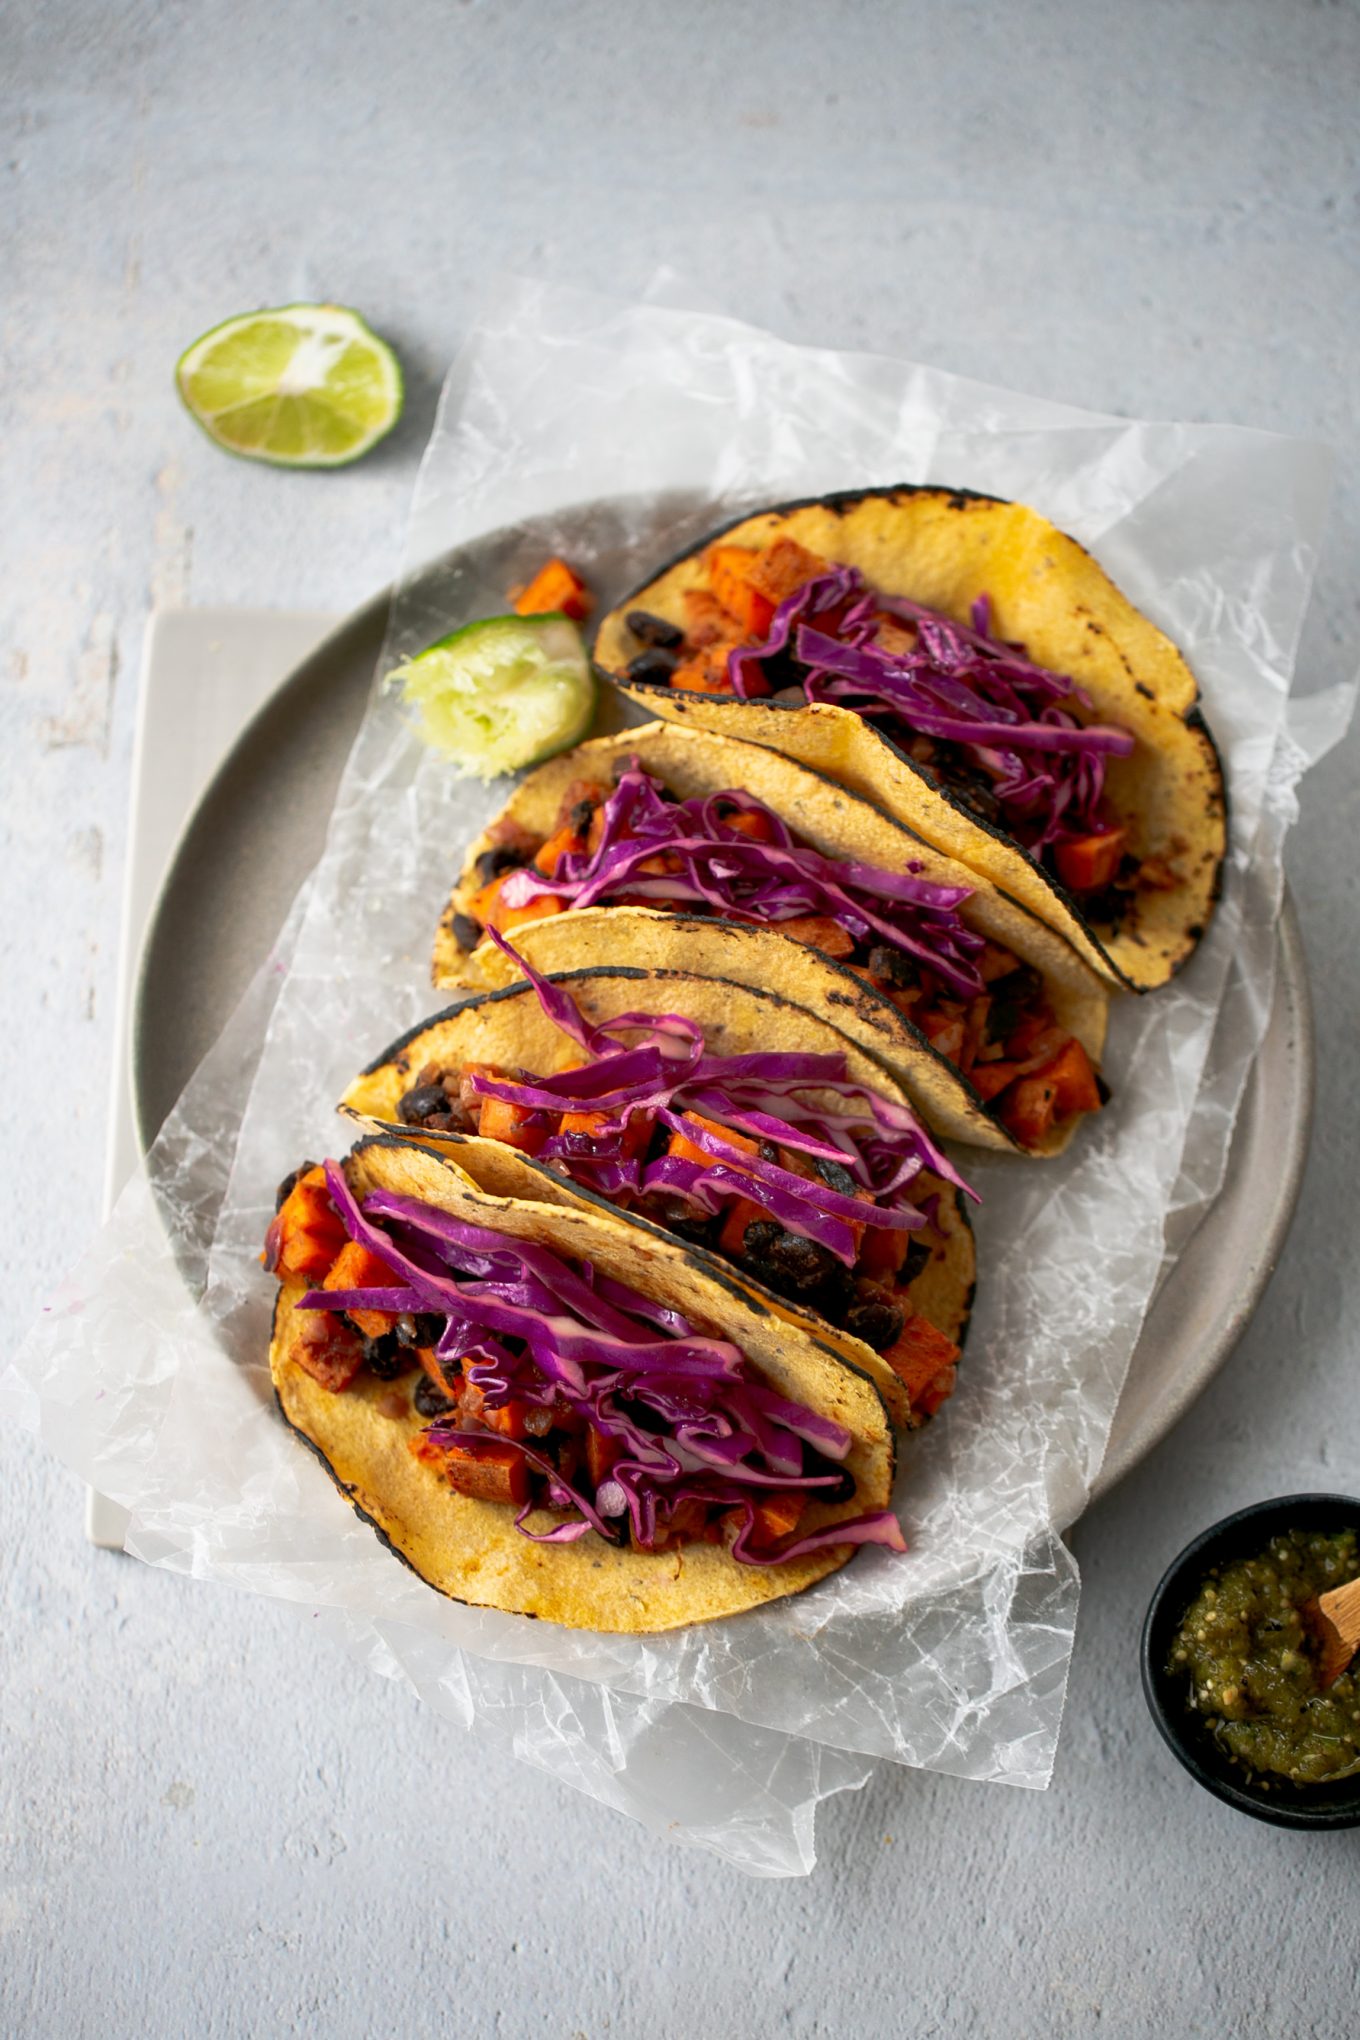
(210, 1824)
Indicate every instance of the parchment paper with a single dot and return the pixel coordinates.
(150, 1375)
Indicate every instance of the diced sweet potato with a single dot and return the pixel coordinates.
(488, 907)
(783, 568)
(936, 1392)
(539, 909)
(776, 1515)
(306, 1234)
(488, 1470)
(508, 1420)
(328, 1349)
(514, 1124)
(689, 1151)
(555, 588)
(355, 1267)
(705, 671)
(741, 1213)
(818, 931)
(705, 619)
(1074, 1081)
(944, 1032)
(752, 822)
(882, 1253)
(1063, 1086)
(564, 842)
(892, 635)
(919, 1353)
(687, 1522)
(1030, 1110)
(1034, 1035)
(989, 1079)
(1090, 863)
(995, 962)
(447, 1375)
(730, 572)
(596, 1125)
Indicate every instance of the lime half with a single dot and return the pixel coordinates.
(500, 694)
(303, 386)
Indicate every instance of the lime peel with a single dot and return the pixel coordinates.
(298, 385)
(506, 692)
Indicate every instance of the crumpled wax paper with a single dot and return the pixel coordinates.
(617, 434)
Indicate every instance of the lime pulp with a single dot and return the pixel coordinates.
(500, 694)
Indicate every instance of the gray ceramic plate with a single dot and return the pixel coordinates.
(259, 830)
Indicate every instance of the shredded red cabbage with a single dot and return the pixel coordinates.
(716, 867)
(670, 1075)
(1012, 717)
(689, 1421)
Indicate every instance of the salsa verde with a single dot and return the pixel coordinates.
(1245, 1650)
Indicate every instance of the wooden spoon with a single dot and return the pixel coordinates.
(1334, 1620)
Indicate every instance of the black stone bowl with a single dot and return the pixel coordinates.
(1241, 1536)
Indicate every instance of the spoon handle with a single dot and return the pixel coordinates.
(1339, 1622)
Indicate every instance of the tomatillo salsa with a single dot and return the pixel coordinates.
(1245, 1649)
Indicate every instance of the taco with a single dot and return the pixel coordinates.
(667, 845)
(546, 1411)
(961, 662)
(789, 1165)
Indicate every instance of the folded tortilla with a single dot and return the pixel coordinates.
(470, 1549)
(510, 1030)
(946, 549)
(692, 762)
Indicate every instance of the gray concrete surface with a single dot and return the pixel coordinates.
(210, 1825)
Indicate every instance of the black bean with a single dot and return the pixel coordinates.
(816, 1466)
(387, 1357)
(788, 1261)
(835, 1176)
(969, 786)
(874, 1317)
(429, 1400)
(893, 966)
(429, 1327)
(501, 857)
(1011, 995)
(1107, 910)
(418, 1106)
(467, 933)
(289, 1184)
(679, 1217)
(918, 1257)
(581, 816)
(654, 630)
(652, 665)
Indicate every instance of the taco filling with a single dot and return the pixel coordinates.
(1004, 735)
(825, 1192)
(730, 855)
(553, 1389)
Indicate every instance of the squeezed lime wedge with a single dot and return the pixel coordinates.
(493, 696)
(302, 385)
